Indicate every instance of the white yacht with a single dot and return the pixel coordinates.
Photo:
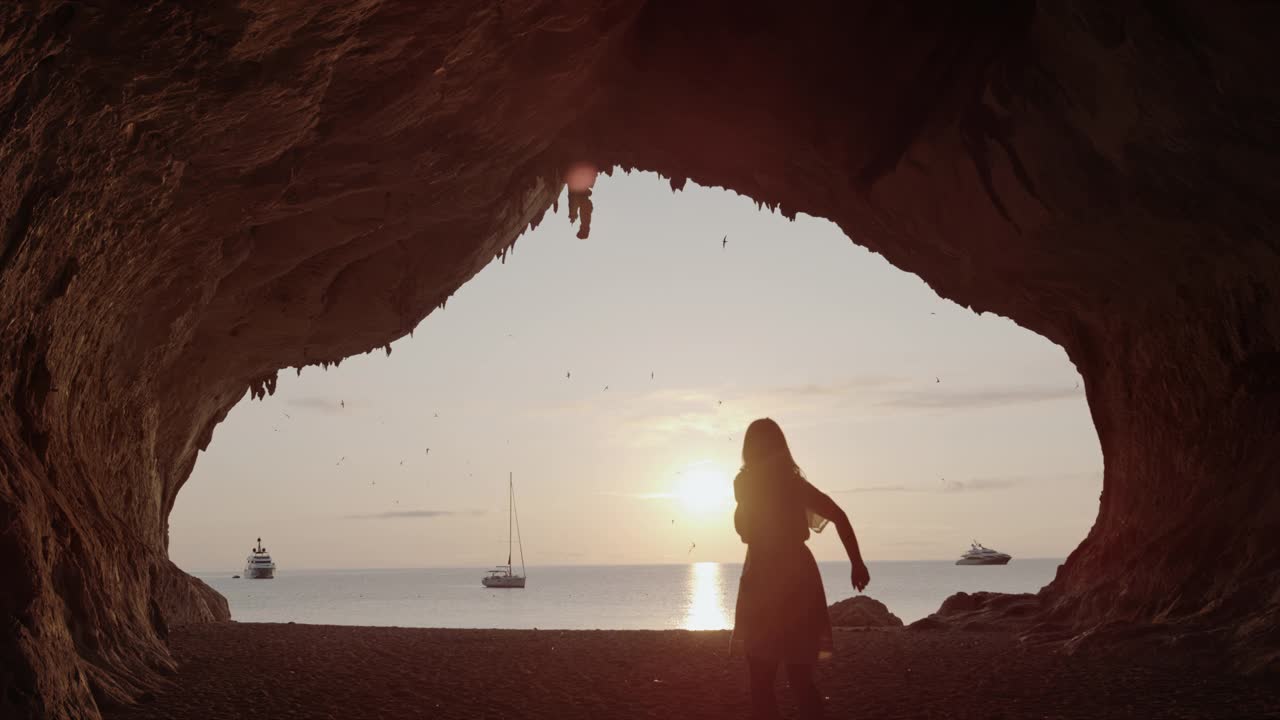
(259, 566)
(503, 576)
(979, 555)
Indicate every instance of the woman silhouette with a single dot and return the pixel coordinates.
(781, 616)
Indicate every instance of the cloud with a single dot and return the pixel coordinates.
(678, 413)
(640, 496)
(911, 543)
(878, 489)
(703, 423)
(651, 418)
(980, 484)
(843, 388)
(898, 392)
(390, 514)
(944, 486)
(953, 486)
(941, 398)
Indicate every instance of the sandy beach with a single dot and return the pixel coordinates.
(247, 670)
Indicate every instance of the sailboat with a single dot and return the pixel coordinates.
(502, 576)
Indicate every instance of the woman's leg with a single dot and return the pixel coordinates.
(764, 706)
(808, 698)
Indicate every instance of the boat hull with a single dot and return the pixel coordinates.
(260, 573)
(512, 582)
(984, 561)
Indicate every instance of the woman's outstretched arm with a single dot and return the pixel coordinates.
(821, 503)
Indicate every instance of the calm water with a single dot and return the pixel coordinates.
(639, 597)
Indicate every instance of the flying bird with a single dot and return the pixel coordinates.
(724, 242)
(692, 545)
(566, 376)
(427, 451)
(401, 462)
(287, 416)
(937, 380)
(436, 415)
(342, 403)
(606, 387)
(344, 457)
(650, 374)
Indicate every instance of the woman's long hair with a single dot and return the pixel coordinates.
(764, 447)
(767, 460)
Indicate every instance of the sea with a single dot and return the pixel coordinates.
(697, 596)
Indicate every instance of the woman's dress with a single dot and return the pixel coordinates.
(782, 608)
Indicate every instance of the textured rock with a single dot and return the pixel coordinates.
(965, 604)
(983, 611)
(195, 196)
(928, 623)
(862, 611)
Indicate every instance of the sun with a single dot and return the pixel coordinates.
(704, 487)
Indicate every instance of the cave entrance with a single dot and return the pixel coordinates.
(614, 376)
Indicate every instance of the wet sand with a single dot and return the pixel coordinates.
(247, 670)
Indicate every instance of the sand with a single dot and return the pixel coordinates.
(249, 670)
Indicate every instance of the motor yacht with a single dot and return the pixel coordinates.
(979, 555)
(259, 565)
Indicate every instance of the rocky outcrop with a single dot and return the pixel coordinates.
(1037, 623)
(984, 611)
(194, 196)
(861, 611)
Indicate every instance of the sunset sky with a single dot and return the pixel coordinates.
(930, 424)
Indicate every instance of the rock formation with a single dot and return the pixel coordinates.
(862, 611)
(194, 196)
(992, 611)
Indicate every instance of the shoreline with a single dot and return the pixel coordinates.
(236, 670)
(655, 597)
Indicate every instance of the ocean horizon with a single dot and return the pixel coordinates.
(693, 596)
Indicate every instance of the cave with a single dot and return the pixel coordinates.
(196, 198)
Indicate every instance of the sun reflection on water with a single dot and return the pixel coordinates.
(706, 598)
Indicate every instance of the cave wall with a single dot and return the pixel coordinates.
(197, 195)
(1101, 177)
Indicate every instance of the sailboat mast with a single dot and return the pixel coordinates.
(510, 508)
(519, 541)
